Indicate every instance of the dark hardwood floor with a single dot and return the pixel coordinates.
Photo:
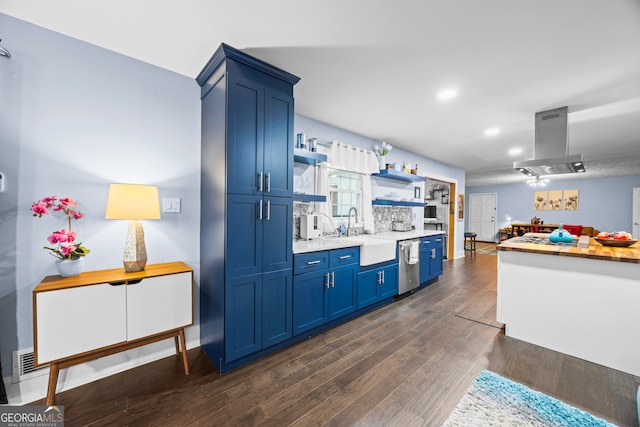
(406, 364)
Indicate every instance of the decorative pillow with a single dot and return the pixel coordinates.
(576, 230)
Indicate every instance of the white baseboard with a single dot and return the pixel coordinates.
(34, 389)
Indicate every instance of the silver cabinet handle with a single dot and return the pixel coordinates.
(260, 209)
(313, 262)
(433, 253)
(268, 210)
(345, 257)
(379, 277)
(333, 279)
(426, 242)
(268, 182)
(260, 175)
(382, 276)
(327, 284)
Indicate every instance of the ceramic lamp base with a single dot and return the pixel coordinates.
(135, 251)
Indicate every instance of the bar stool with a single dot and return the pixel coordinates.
(471, 237)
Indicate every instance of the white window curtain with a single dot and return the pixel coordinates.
(354, 159)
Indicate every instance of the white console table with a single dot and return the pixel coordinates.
(98, 313)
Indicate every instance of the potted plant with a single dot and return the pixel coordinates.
(68, 252)
(381, 153)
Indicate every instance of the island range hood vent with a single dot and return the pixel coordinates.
(551, 147)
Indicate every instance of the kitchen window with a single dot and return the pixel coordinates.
(345, 192)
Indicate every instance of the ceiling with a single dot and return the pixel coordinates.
(374, 67)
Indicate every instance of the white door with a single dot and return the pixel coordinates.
(636, 213)
(482, 216)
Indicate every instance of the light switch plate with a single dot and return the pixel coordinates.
(171, 204)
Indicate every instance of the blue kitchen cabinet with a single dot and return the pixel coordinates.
(246, 258)
(243, 307)
(259, 234)
(258, 312)
(431, 257)
(260, 136)
(324, 287)
(277, 304)
(377, 284)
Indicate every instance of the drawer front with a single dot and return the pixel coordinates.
(311, 261)
(344, 256)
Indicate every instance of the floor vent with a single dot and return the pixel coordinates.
(23, 366)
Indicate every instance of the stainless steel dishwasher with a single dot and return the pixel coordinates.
(409, 265)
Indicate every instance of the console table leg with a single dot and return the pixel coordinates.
(184, 352)
(53, 383)
(176, 339)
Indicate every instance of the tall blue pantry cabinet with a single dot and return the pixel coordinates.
(247, 207)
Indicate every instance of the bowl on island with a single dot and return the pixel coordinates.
(615, 242)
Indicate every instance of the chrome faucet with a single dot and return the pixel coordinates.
(352, 208)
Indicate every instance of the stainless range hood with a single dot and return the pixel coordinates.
(551, 147)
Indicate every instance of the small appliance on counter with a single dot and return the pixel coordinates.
(400, 226)
(310, 226)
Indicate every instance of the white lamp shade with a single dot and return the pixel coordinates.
(132, 201)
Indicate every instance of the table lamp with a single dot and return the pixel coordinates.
(133, 202)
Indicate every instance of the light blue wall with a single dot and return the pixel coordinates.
(73, 118)
(604, 203)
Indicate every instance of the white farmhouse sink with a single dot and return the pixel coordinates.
(374, 250)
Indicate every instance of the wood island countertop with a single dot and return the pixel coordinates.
(595, 250)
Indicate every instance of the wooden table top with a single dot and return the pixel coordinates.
(595, 250)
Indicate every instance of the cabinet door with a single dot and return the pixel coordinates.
(277, 252)
(310, 300)
(76, 320)
(389, 285)
(425, 260)
(342, 291)
(245, 135)
(368, 282)
(278, 143)
(436, 257)
(243, 316)
(277, 303)
(243, 235)
(158, 304)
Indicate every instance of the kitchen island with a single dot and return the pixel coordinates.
(578, 301)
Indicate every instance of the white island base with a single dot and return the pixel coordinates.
(584, 307)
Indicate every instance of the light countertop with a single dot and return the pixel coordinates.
(327, 243)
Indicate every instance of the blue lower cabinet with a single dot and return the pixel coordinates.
(243, 316)
(342, 291)
(277, 307)
(377, 284)
(431, 253)
(310, 300)
(258, 312)
(324, 287)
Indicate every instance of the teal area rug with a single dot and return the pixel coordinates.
(496, 401)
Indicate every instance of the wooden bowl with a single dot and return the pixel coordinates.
(616, 243)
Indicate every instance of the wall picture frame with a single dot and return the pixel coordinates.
(460, 207)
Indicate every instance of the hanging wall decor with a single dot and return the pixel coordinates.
(554, 200)
(460, 207)
(570, 200)
(540, 201)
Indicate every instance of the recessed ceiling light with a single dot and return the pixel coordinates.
(447, 94)
(515, 151)
(492, 131)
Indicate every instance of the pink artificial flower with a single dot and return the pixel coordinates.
(71, 236)
(66, 250)
(58, 236)
(75, 214)
(39, 208)
(49, 200)
(65, 201)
